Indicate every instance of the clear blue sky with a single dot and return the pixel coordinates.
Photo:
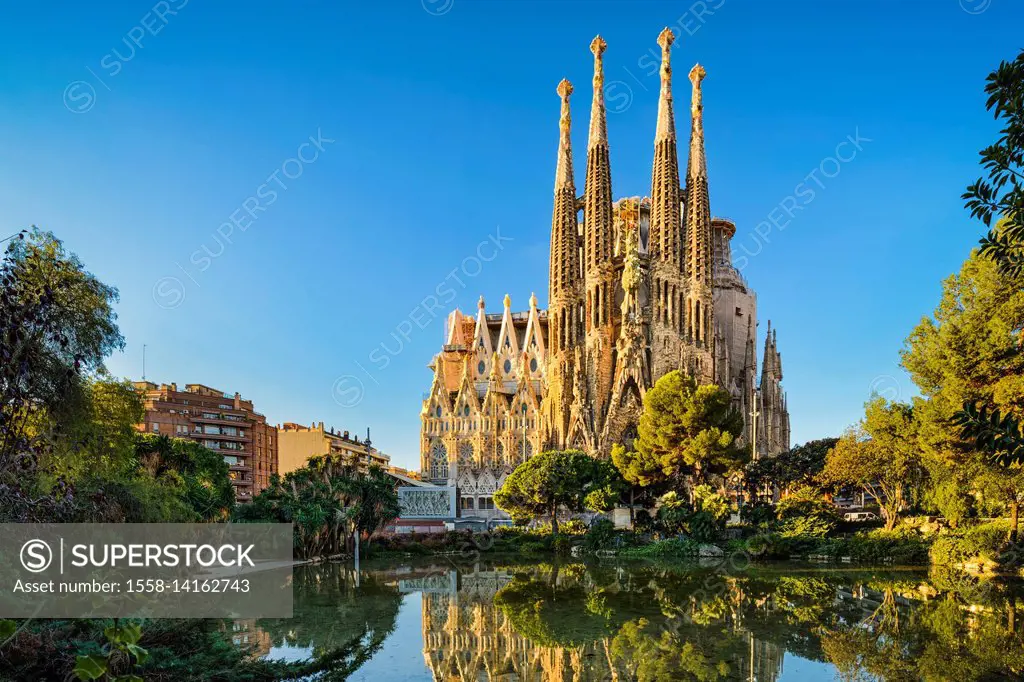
(444, 120)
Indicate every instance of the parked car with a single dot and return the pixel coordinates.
(860, 516)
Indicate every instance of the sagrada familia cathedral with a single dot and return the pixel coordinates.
(638, 287)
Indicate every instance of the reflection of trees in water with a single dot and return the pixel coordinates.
(964, 636)
(342, 624)
(647, 623)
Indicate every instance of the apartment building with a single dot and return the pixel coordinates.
(222, 422)
(297, 443)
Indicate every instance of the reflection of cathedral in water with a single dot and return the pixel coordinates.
(466, 637)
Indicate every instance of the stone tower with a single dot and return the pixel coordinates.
(598, 235)
(565, 290)
(699, 328)
(664, 244)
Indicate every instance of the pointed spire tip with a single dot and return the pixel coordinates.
(564, 88)
(598, 46)
(697, 74)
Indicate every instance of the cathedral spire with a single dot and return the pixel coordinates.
(565, 286)
(768, 362)
(597, 198)
(665, 223)
(598, 119)
(697, 166)
(563, 171)
(564, 246)
(666, 119)
(698, 211)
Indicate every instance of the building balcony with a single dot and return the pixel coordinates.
(242, 421)
(220, 436)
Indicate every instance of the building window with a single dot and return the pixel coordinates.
(156, 428)
(481, 368)
(467, 502)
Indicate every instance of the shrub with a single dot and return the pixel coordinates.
(532, 547)
(986, 541)
(768, 546)
(804, 527)
(710, 502)
(573, 527)
(899, 546)
(806, 514)
(758, 514)
(600, 536)
(704, 527)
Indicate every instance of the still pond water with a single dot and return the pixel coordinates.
(633, 621)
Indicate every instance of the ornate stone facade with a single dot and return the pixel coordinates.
(637, 287)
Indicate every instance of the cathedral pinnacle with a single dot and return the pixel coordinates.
(666, 121)
(598, 119)
(508, 301)
(533, 301)
(697, 220)
(698, 163)
(665, 237)
(563, 172)
(480, 303)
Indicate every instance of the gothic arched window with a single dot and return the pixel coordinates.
(438, 460)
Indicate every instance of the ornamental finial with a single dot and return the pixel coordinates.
(665, 39)
(564, 89)
(508, 301)
(598, 46)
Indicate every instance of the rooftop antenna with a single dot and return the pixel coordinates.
(143, 362)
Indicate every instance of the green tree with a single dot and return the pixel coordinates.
(805, 513)
(554, 479)
(56, 326)
(1001, 195)
(970, 351)
(879, 456)
(327, 501)
(790, 470)
(201, 476)
(687, 434)
(93, 433)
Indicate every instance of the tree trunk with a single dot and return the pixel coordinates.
(1014, 521)
(554, 518)
(890, 518)
(632, 498)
